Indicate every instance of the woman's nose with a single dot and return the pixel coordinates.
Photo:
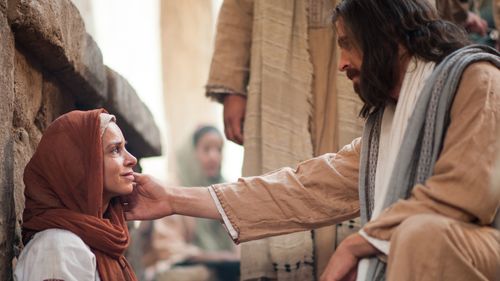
(130, 160)
(215, 155)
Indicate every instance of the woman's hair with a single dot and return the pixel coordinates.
(200, 132)
(379, 27)
(104, 120)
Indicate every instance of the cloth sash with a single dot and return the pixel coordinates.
(423, 138)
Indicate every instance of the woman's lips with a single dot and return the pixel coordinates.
(129, 176)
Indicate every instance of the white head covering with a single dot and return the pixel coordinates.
(105, 120)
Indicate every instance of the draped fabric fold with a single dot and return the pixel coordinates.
(279, 108)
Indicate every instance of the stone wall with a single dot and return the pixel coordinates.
(49, 65)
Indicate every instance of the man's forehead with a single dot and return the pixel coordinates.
(339, 26)
(342, 37)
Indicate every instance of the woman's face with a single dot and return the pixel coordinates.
(118, 164)
(209, 154)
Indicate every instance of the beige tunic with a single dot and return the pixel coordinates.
(323, 190)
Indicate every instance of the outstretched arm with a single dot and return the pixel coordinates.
(151, 200)
(319, 192)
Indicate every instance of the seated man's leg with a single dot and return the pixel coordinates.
(433, 247)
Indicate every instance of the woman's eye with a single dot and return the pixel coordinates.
(116, 149)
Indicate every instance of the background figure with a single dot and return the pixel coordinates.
(274, 68)
(185, 248)
(481, 18)
(489, 11)
(200, 165)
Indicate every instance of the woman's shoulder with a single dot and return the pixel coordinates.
(58, 238)
(55, 241)
(56, 254)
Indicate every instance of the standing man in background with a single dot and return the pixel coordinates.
(274, 69)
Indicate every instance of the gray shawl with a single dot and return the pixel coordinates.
(423, 138)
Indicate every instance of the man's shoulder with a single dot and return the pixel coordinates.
(481, 69)
(479, 88)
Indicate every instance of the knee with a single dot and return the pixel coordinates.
(421, 231)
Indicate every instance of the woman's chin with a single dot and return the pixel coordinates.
(124, 189)
(128, 189)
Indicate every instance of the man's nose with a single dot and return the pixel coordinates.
(343, 62)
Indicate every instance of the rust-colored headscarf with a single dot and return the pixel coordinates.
(64, 189)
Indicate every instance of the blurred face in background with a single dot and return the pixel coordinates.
(209, 153)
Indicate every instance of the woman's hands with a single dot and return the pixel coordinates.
(149, 200)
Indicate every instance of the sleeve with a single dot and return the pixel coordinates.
(453, 10)
(57, 256)
(229, 70)
(225, 220)
(319, 192)
(460, 187)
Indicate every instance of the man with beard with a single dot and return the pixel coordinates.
(423, 164)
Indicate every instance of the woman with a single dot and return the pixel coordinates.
(181, 247)
(199, 159)
(200, 165)
(74, 228)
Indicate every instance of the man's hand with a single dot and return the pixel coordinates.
(148, 201)
(343, 264)
(234, 116)
(476, 24)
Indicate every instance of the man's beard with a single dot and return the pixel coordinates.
(351, 74)
(356, 87)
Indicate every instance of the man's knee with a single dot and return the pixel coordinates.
(422, 230)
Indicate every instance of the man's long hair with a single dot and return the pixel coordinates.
(377, 27)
